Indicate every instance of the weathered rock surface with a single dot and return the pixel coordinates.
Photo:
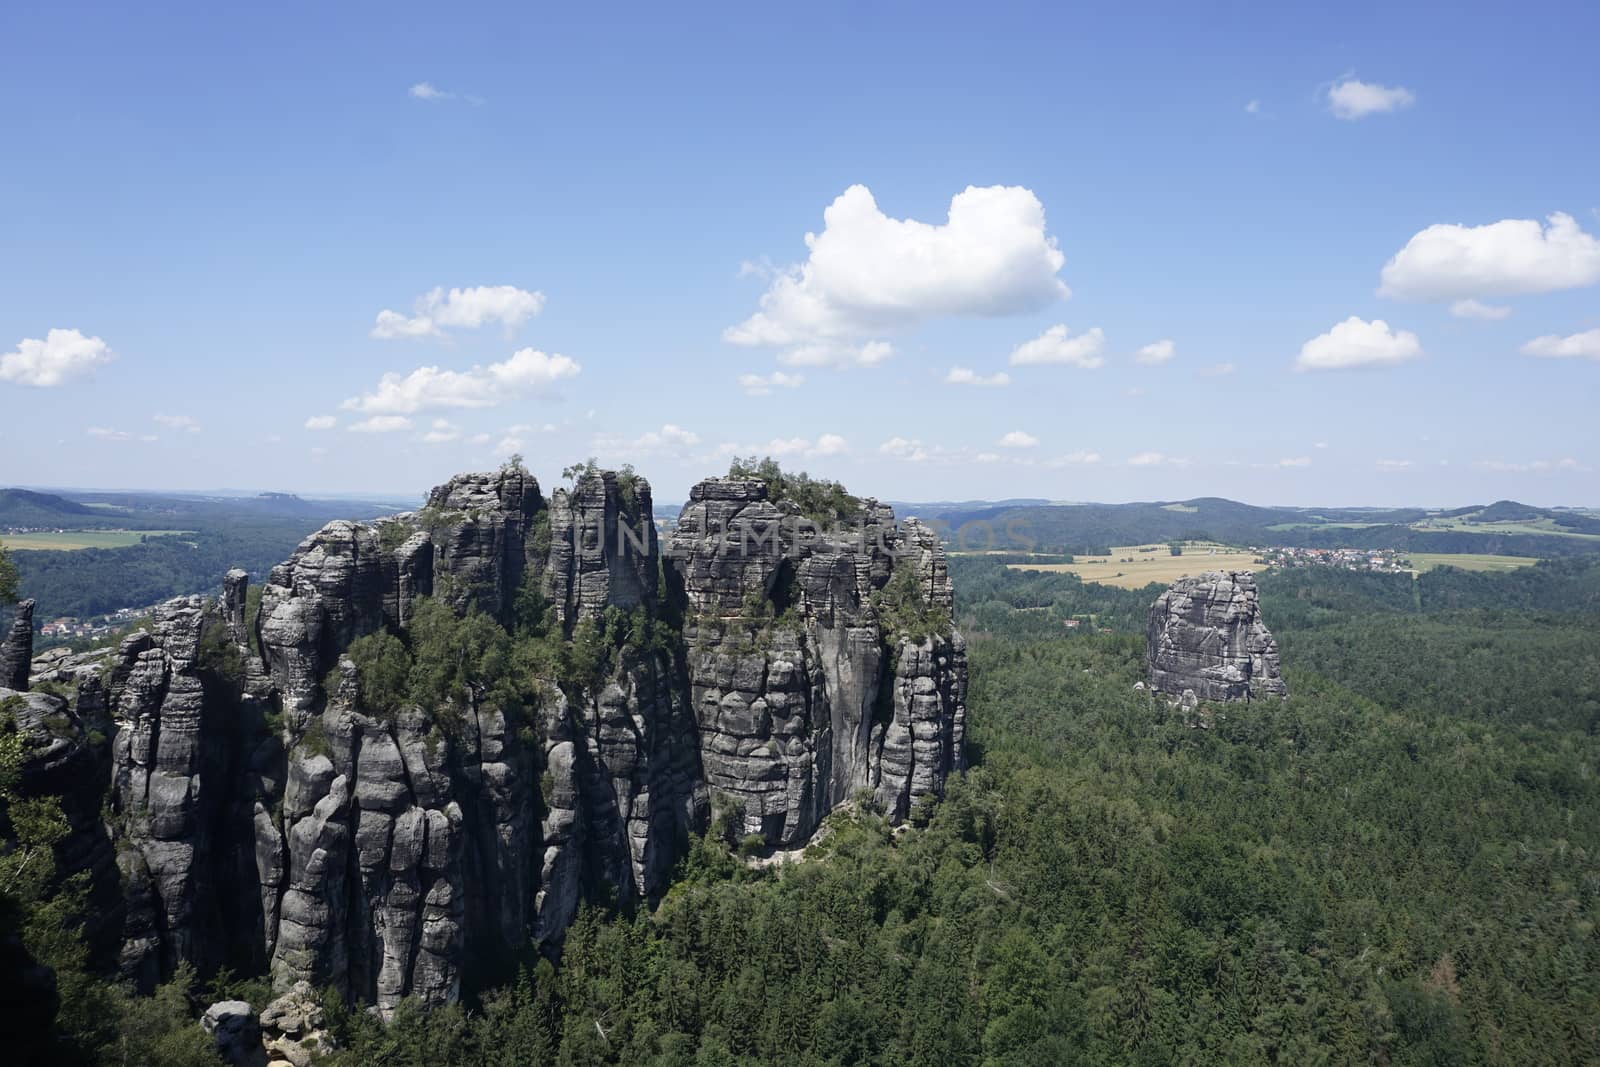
(269, 818)
(16, 653)
(232, 1025)
(292, 1027)
(801, 695)
(1206, 634)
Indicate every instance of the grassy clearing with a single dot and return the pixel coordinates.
(1542, 527)
(1427, 561)
(1134, 566)
(1323, 525)
(71, 540)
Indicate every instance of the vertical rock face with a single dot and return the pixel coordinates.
(272, 815)
(802, 695)
(16, 653)
(1206, 634)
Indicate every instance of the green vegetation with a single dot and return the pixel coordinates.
(1396, 865)
(8, 578)
(171, 546)
(1427, 561)
(905, 611)
(1333, 879)
(819, 500)
(75, 540)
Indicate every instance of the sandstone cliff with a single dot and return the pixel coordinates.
(278, 804)
(1206, 634)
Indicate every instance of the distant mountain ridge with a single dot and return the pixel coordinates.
(1503, 527)
(25, 507)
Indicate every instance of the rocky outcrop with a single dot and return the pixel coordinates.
(1206, 634)
(276, 813)
(65, 756)
(233, 1028)
(292, 1028)
(176, 763)
(803, 695)
(16, 653)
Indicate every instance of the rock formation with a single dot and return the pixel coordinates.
(16, 653)
(1205, 634)
(277, 810)
(802, 695)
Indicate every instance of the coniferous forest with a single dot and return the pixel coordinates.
(1398, 864)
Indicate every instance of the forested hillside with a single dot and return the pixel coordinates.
(255, 533)
(1089, 529)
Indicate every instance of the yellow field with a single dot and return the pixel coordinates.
(1426, 561)
(1130, 568)
(71, 540)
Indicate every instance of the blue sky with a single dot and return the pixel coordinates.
(220, 200)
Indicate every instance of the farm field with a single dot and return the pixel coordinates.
(1545, 527)
(1427, 561)
(71, 540)
(1135, 566)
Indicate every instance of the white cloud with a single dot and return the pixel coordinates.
(62, 356)
(1352, 99)
(1074, 459)
(1395, 464)
(966, 376)
(1253, 107)
(470, 308)
(322, 422)
(670, 438)
(1534, 466)
(429, 388)
(829, 354)
(1584, 345)
(1156, 352)
(108, 433)
(1018, 439)
(1295, 461)
(912, 451)
(431, 92)
(381, 424)
(1474, 309)
(179, 422)
(1055, 347)
(1447, 261)
(868, 273)
(830, 444)
(1156, 459)
(763, 384)
(987, 457)
(1217, 370)
(1358, 343)
(444, 431)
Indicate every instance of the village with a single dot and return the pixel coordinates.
(68, 628)
(1378, 560)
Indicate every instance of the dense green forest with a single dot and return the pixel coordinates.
(1396, 865)
(255, 533)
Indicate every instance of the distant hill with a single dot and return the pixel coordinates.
(25, 507)
(1505, 527)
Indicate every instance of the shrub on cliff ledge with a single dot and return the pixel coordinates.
(817, 499)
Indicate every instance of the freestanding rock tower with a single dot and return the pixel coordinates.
(1205, 634)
